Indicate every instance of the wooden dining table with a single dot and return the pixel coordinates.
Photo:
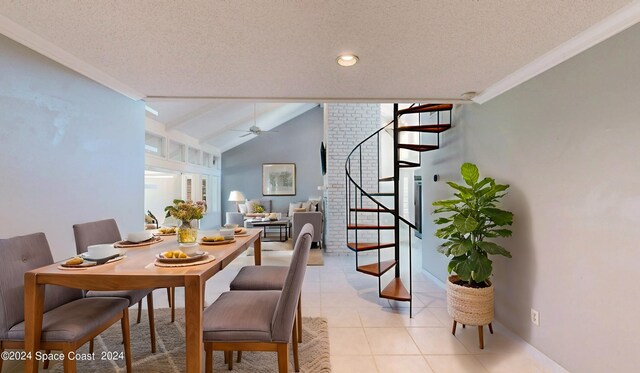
(137, 270)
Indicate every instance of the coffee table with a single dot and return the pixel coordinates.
(283, 223)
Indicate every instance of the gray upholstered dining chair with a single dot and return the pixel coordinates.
(259, 320)
(69, 320)
(106, 232)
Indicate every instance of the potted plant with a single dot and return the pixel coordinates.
(472, 218)
(186, 212)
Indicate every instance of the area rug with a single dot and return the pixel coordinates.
(170, 355)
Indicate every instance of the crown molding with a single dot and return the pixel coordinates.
(617, 22)
(31, 40)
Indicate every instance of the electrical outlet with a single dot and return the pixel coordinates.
(535, 317)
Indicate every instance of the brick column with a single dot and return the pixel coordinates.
(347, 125)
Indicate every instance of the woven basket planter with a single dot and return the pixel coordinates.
(469, 306)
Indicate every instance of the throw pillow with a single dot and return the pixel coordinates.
(243, 208)
(314, 204)
(293, 206)
(306, 205)
(300, 209)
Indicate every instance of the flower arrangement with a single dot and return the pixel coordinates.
(186, 210)
(258, 208)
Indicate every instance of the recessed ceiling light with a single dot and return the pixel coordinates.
(347, 60)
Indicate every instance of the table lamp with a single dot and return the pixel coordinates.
(236, 196)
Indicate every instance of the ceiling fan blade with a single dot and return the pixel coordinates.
(246, 134)
(239, 130)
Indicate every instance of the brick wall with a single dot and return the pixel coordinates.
(347, 125)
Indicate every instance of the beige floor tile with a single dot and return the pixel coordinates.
(455, 364)
(433, 299)
(442, 315)
(341, 317)
(351, 364)
(390, 341)
(390, 317)
(402, 364)
(493, 343)
(508, 363)
(437, 341)
(348, 341)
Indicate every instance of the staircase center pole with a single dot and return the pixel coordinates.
(396, 188)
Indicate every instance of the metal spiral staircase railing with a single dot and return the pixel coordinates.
(366, 205)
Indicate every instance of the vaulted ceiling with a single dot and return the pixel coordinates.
(285, 51)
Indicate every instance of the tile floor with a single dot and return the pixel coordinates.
(368, 334)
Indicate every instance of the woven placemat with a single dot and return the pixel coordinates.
(210, 258)
(79, 268)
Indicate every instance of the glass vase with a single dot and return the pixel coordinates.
(187, 234)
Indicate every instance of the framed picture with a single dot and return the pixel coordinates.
(278, 179)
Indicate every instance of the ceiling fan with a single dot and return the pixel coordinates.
(254, 130)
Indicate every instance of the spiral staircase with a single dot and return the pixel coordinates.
(374, 222)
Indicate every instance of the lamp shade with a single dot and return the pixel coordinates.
(236, 196)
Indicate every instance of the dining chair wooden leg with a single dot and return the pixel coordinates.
(208, 358)
(45, 363)
(173, 304)
(283, 354)
(139, 312)
(91, 346)
(126, 336)
(481, 337)
(69, 364)
(230, 360)
(453, 329)
(239, 357)
(169, 297)
(294, 344)
(1, 359)
(152, 322)
(490, 328)
(300, 318)
(463, 326)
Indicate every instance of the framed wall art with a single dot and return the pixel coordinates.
(278, 179)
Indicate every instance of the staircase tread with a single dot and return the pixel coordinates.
(388, 178)
(396, 291)
(407, 164)
(382, 194)
(369, 226)
(425, 108)
(366, 209)
(418, 147)
(364, 246)
(372, 269)
(433, 128)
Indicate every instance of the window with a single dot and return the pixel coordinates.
(177, 151)
(194, 156)
(155, 144)
(206, 159)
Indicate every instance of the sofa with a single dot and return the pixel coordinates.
(299, 214)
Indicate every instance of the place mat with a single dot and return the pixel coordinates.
(211, 243)
(165, 234)
(208, 259)
(81, 267)
(138, 244)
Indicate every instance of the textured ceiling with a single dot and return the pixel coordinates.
(408, 49)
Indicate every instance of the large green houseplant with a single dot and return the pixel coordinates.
(471, 218)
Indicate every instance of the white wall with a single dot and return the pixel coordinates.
(567, 143)
(70, 151)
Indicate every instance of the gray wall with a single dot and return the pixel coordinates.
(567, 142)
(297, 141)
(71, 150)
